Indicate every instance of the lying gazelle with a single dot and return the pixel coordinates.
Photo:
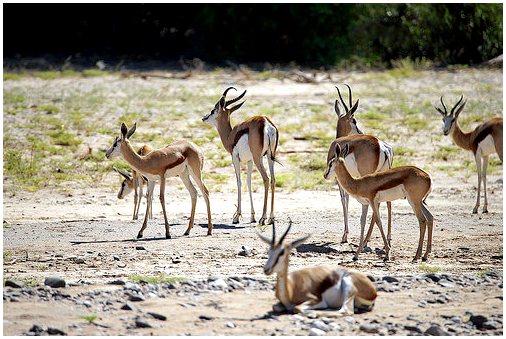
(132, 182)
(368, 154)
(316, 287)
(181, 158)
(484, 140)
(397, 183)
(249, 141)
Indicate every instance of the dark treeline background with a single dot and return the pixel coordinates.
(307, 34)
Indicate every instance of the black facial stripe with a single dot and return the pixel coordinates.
(277, 258)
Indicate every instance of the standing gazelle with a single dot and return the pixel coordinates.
(181, 158)
(397, 183)
(316, 287)
(367, 155)
(486, 139)
(249, 141)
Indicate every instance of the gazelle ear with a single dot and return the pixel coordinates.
(299, 241)
(336, 108)
(345, 151)
(338, 150)
(131, 131)
(460, 109)
(123, 173)
(440, 111)
(124, 130)
(354, 108)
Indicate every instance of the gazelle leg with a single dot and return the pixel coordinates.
(185, 178)
(389, 231)
(250, 168)
(162, 201)
(260, 167)
(237, 167)
(312, 304)
(484, 178)
(369, 232)
(363, 219)
(376, 215)
(477, 157)
(205, 192)
(151, 187)
(344, 202)
(430, 224)
(348, 291)
(137, 201)
(422, 221)
(273, 186)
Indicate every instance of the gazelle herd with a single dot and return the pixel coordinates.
(362, 164)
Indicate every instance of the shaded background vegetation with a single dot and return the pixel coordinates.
(308, 34)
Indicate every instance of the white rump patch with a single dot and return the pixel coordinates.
(487, 146)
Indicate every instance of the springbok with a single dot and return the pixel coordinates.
(396, 183)
(368, 154)
(484, 140)
(249, 141)
(132, 182)
(316, 287)
(181, 158)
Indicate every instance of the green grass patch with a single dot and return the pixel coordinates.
(13, 76)
(89, 318)
(50, 109)
(63, 138)
(445, 152)
(221, 162)
(94, 73)
(415, 123)
(160, 278)
(402, 151)
(7, 254)
(284, 180)
(13, 97)
(429, 269)
(401, 161)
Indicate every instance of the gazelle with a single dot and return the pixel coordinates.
(368, 154)
(396, 183)
(181, 158)
(132, 182)
(316, 287)
(249, 141)
(484, 140)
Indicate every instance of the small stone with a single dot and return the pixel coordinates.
(140, 248)
(206, 317)
(14, 284)
(390, 279)
(490, 325)
(433, 277)
(36, 329)
(445, 283)
(245, 251)
(230, 324)
(320, 325)
(335, 326)
(54, 282)
(369, 328)
(117, 282)
(128, 307)
(157, 316)
(87, 303)
(298, 317)
(316, 332)
(116, 258)
(413, 328)
(478, 320)
(312, 315)
(436, 330)
(55, 331)
(141, 323)
(218, 284)
(456, 320)
(136, 298)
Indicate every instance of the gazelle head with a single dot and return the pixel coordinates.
(222, 111)
(337, 159)
(127, 185)
(346, 122)
(279, 252)
(449, 119)
(115, 149)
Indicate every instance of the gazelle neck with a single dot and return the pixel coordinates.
(224, 129)
(129, 154)
(461, 138)
(343, 176)
(284, 288)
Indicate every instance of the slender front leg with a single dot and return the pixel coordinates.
(377, 217)
(151, 187)
(477, 157)
(260, 167)
(363, 219)
(138, 183)
(162, 201)
(389, 232)
(237, 167)
(185, 178)
(136, 199)
(310, 305)
(422, 221)
(250, 168)
(369, 232)
(197, 176)
(484, 178)
(344, 202)
(273, 186)
(430, 224)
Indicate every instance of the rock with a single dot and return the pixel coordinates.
(116, 258)
(230, 325)
(54, 282)
(369, 328)
(136, 298)
(316, 332)
(456, 320)
(36, 329)
(433, 277)
(390, 279)
(87, 303)
(445, 283)
(157, 316)
(413, 328)
(132, 287)
(478, 320)
(298, 317)
(128, 307)
(218, 284)
(490, 325)
(206, 317)
(141, 323)
(320, 325)
(14, 284)
(140, 248)
(367, 249)
(245, 251)
(117, 282)
(55, 331)
(311, 315)
(278, 308)
(436, 330)
(334, 326)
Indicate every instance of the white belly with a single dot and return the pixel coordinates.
(242, 150)
(175, 171)
(391, 194)
(487, 146)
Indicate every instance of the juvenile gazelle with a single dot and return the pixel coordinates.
(368, 154)
(316, 287)
(181, 158)
(249, 141)
(397, 183)
(133, 182)
(484, 140)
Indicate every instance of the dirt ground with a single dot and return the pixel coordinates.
(87, 237)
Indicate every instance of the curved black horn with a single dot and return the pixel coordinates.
(286, 232)
(228, 89)
(235, 99)
(349, 92)
(453, 109)
(342, 101)
(442, 103)
(273, 233)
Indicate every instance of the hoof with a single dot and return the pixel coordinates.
(278, 308)
(385, 259)
(424, 258)
(185, 233)
(167, 236)
(367, 249)
(139, 235)
(270, 221)
(415, 259)
(261, 221)
(485, 210)
(209, 233)
(235, 221)
(253, 220)
(355, 258)
(475, 210)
